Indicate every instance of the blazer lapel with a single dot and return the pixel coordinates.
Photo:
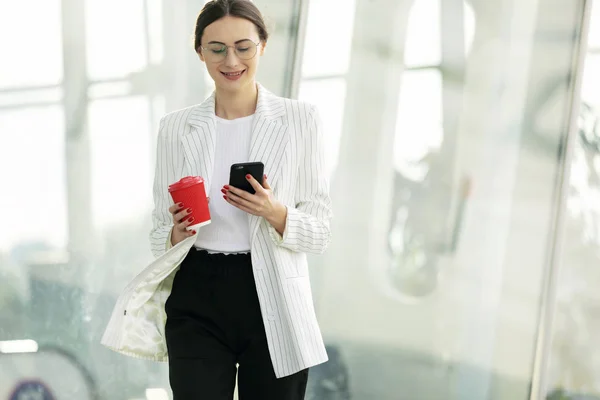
(199, 144)
(269, 140)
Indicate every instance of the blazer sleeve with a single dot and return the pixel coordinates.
(307, 224)
(169, 163)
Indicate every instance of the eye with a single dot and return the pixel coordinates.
(217, 49)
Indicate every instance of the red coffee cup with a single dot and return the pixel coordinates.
(191, 192)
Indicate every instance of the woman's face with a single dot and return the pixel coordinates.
(229, 68)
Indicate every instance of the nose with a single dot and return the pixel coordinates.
(231, 59)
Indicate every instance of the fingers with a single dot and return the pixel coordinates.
(175, 208)
(265, 183)
(257, 187)
(247, 208)
(183, 225)
(240, 201)
(230, 190)
(181, 215)
(181, 218)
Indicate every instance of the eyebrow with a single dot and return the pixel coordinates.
(239, 41)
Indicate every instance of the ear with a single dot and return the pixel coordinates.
(263, 45)
(199, 51)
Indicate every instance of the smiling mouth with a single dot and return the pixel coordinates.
(233, 73)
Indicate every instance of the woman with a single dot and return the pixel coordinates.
(237, 291)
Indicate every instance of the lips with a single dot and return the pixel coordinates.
(233, 74)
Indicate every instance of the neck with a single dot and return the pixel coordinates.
(238, 104)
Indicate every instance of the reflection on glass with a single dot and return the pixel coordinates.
(413, 244)
(30, 39)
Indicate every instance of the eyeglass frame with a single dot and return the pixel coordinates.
(227, 49)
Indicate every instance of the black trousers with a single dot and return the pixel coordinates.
(213, 323)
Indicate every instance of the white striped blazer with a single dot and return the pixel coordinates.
(287, 138)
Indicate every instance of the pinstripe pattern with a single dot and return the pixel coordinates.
(287, 138)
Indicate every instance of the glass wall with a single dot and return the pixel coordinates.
(575, 358)
(446, 185)
(446, 124)
(82, 87)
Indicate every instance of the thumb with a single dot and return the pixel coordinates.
(265, 183)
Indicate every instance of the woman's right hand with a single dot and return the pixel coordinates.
(181, 221)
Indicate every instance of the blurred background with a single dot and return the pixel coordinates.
(464, 151)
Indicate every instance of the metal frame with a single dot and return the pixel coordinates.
(297, 42)
(549, 285)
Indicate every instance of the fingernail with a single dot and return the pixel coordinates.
(189, 210)
(225, 197)
(248, 176)
(191, 219)
(180, 205)
(226, 187)
(265, 176)
(194, 232)
(223, 191)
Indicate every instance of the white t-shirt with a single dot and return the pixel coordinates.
(229, 230)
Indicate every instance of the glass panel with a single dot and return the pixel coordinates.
(575, 358)
(432, 285)
(116, 41)
(110, 89)
(155, 30)
(28, 57)
(423, 42)
(31, 97)
(326, 50)
(469, 26)
(33, 211)
(55, 296)
(594, 38)
(32, 142)
(591, 78)
(121, 161)
(285, 48)
(420, 110)
(423, 45)
(328, 95)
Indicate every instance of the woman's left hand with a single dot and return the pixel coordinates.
(262, 203)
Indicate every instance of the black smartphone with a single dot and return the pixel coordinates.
(237, 175)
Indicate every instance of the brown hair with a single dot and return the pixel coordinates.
(217, 9)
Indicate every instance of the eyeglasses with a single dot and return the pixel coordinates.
(217, 52)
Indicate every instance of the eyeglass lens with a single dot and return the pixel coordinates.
(245, 50)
